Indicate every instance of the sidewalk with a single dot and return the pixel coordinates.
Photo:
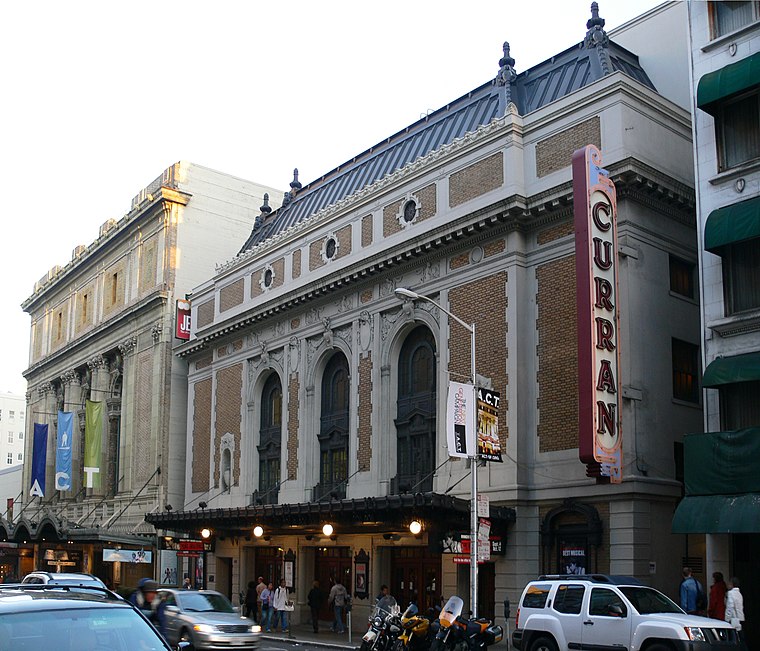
(303, 634)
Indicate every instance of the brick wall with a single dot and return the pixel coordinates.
(459, 261)
(315, 255)
(366, 296)
(203, 362)
(427, 209)
(228, 401)
(37, 331)
(344, 241)
(556, 152)
(296, 263)
(231, 295)
(85, 308)
(141, 444)
(555, 232)
(557, 356)
(205, 313)
(484, 302)
(494, 247)
(366, 230)
(59, 326)
(279, 272)
(364, 449)
(115, 288)
(148, 264)
(477, 179)
(293, 390)
(201, 435)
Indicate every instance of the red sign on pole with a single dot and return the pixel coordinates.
(182, 330)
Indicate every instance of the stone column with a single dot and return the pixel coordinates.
(127, 348)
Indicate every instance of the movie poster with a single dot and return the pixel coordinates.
(489, 447)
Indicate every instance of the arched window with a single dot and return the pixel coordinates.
(333, 429)
(416, 411)
(270, 440)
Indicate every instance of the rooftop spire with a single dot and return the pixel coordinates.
(265, 207)
(597, 39)
(505, 78)
(295, 186)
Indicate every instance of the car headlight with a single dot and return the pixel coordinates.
(696, 634)
(204, 628)
(255, 628)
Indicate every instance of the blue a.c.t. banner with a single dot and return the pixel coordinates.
(63, 451)
(39, 459)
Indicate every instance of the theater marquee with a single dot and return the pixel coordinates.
(595, 207)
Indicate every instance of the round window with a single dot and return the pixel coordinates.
(268, 277)
(410, 210)
(330, 248)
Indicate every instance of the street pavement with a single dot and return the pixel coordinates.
(303, 635)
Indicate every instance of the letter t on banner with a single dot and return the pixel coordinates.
(93, 440)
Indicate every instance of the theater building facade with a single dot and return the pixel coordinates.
(317, 395)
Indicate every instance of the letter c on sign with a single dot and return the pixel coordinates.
(605, 209)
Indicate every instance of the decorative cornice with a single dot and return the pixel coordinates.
(44, 389)
(128, 346)
(156, 331)
(70, 377)
(97, 362)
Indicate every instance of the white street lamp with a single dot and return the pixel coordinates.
(403, 292)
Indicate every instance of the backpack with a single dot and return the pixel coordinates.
(701, 596)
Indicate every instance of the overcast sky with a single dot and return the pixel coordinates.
(100, 97)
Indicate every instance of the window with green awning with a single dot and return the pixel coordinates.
(730, 80)
(729, 370)
(735, 223)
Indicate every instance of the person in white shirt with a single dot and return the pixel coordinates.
(281, 595)
(735, 606)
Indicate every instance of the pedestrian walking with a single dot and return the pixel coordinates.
(251, 601)
(281, 606)
(735, 607)
(267, 595)
(716, 608)
(315, 599)
(337, 599)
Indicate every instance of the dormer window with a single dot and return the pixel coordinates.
(409, 212)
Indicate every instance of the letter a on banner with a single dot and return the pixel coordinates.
(93, 440)
(63, 451)
(460, 420)
(39, 459)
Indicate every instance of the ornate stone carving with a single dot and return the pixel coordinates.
(345, 303)
(388, 286)
(365, 331)
(44, 389)
(70, 377)
(156, 331)
(264, 354)
(128, 346)
(314, 315)
(345, 334)
(97, 362)
(429, 271)
(294, 354)
(28, 397)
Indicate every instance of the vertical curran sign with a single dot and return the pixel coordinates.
(595, 207)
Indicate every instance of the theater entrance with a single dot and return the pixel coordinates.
(416, 572)
(331, 563)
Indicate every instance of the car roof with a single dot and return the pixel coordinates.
(613, 579)
(30, 597)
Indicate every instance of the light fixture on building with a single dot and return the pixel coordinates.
(415, 526)
(327, 529)
(258, 531)
(205, 533)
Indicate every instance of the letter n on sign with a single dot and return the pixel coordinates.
(595, 208)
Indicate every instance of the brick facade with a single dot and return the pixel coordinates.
(114, 288)
(556, 152)
(205, 313)
(428, 207)
(494, 247)
(278, 267)
(557, 356)
(484, 302)
(366, 230)
(315, 254)
(293, 424)
(297, 263)
(555, 232)
(231, 295)
(85, 308)
(201, 436)
(343, 236)
(148, 264)
(228, 401)
(142, 446)
(60, 326)
(476, 180)
(364, 448)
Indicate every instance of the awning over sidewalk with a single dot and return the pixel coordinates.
(735, 223)
(730, 80)
(363, 515)
(718, 514)
(730, 370)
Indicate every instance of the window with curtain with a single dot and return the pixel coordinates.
(685, 371)
(737, 124)
(739, 405)
(741, 276)
(728, 16)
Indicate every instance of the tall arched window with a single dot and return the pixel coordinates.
(270, 440)
(333, 429)
(416, 407)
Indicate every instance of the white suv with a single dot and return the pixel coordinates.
(598, 612)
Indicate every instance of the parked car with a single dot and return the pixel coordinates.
(72, 618)
(63, 578)
(611, 612)
(207, 619)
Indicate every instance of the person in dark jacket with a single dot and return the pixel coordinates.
(717, 605)
(315, 599)
(146, 599)
(251, 601)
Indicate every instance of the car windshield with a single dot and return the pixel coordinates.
(78, 629)
(205, 602)
(648, 600)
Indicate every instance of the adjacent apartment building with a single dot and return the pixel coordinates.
(102, 331)
(317, 395)
(721, 509)
(12, 428)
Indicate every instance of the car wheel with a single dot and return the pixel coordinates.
(186, 636)
(543, 644)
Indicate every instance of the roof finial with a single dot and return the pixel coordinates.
(295, 186)
(266, 208)
(505, 78)
(595, 36)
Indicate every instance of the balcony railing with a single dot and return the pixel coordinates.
(322, 492)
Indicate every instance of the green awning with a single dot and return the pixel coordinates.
(730, 370)
(734, 223)
(718, 514)
(722, 463)
(727, 81)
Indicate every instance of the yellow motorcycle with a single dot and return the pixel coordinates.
(416, 631)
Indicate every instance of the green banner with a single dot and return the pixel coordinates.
(93, 441)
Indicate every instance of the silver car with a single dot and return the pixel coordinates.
(207, 619)
(62, 578)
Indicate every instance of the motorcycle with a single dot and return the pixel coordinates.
(384, 626)
(458, 633)
(416, 630)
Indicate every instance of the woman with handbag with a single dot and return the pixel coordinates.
(282, 605)
(266, 607)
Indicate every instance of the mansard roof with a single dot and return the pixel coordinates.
(530, 90)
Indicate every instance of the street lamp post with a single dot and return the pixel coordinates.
(402, 292)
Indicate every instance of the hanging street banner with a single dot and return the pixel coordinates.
(39, 460)
(489, 447)
(460, 420)
(63, 451)
(93, 441)
(182, 320)
(599, 419)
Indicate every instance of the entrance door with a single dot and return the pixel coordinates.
(269, 564)
(224, 576)
(416, 573)
(331, 563)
